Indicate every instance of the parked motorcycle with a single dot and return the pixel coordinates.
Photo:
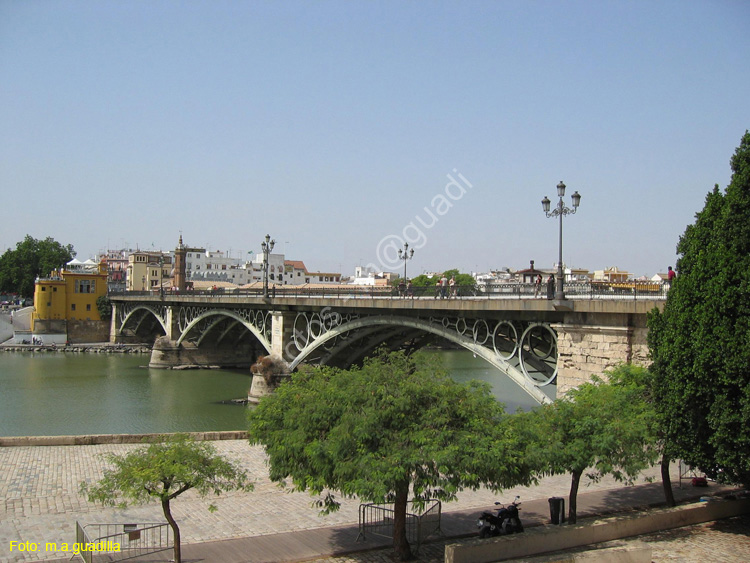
(504, 520)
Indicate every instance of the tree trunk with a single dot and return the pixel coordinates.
(666, 480)
(574, 482)
(175, 530)
(401, 546)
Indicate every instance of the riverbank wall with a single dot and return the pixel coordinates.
(94, 348)
(95, 439)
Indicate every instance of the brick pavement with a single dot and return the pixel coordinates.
(39, 486)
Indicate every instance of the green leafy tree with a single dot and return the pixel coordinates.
(104, 306)
(164, 471)
(31, 258)
(462, 280)
(425, 285)
(700, 343)
(394, 427)
(600, 427)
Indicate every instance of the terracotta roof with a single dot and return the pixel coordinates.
(296, 264)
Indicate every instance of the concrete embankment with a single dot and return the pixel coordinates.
(95, 348)
(6, 327)
(94, 439)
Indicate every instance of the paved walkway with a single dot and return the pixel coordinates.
(41, 504)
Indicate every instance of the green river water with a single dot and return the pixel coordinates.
(56, 393)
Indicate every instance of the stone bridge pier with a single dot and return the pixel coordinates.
(585, 349)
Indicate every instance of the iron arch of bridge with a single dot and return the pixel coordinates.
(332, 330)
(204, 320)
(135, 314)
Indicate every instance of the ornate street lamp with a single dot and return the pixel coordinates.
(560, 210)
(266, 246)
(405, 255)
(161, 276)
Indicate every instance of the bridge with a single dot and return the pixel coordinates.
(535, 342)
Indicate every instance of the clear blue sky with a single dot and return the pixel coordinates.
(333, 126)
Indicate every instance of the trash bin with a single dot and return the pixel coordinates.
(557, 510)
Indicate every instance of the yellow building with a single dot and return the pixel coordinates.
(65, 304)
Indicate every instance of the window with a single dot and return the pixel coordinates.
(85, 286)
(88, 306)
(44, 288)
(73, 307)
(54, 289)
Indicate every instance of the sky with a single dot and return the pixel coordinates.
(346, 129)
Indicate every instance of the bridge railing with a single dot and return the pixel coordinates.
(577, 290)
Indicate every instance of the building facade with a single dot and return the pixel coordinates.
(117, 268)
(65, 304)
(148, 271)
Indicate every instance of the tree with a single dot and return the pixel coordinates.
(700, 343)
(395, 426)
(462, 280)
(607, 427)
(104, 306)
(19, 268)
(164, 471)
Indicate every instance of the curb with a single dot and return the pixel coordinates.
(94, 439)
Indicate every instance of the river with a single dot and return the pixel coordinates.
(56, 393)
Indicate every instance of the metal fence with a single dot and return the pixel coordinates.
(377, 519)
(118, 542)
(578, 290)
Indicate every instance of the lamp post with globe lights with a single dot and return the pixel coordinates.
(405, 255)
(266, 246)
(559, 211)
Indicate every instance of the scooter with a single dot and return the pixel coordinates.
(504, 521)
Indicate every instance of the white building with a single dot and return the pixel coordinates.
(218, 267)
(275, 268)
